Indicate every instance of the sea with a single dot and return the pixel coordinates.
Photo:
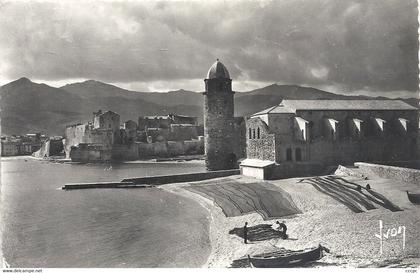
(44, 226)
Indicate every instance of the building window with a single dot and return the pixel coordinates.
(253, 133)
(298, 154)
(289, 154)
(258, 132)
(249, 133)
(109, 125)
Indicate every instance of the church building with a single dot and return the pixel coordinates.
(300, 137)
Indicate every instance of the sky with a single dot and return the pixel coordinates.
(343, 46)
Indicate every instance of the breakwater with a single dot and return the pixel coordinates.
(149, 181)
(103, 185)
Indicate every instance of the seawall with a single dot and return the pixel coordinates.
(149, 181)
(389, 172)
(180, 178)
(103, 185)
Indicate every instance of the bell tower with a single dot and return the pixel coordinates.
(218, 119)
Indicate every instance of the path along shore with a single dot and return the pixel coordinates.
(325, 219)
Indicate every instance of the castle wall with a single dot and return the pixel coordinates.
(121, 152)
(89, 153)
(182, 132)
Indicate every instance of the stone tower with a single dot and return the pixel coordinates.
(219, 135)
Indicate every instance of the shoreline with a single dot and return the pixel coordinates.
(174, 160)
(220, 240)
(349, 235)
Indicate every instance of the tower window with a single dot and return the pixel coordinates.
(258, 132)
(249, 133)
(253, 133)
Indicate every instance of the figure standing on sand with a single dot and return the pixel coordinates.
(245, 233)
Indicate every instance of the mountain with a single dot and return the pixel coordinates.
(30, 107)
(96, 89)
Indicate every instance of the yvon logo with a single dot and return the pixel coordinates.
(390, 232)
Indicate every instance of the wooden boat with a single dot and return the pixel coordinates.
(286, 259)
(413, 197)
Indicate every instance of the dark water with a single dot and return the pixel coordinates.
(44, 226)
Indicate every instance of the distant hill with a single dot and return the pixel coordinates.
(30, 107)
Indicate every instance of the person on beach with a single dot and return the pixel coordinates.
(245, 233)
(367, 186)
(281, 228)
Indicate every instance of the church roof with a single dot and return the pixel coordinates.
(291, 106)
(218, 71)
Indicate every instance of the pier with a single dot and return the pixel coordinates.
(151, 181)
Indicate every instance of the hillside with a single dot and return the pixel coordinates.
(30, 107)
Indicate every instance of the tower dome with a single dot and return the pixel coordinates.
(218, 71)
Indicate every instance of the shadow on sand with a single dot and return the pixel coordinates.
(346, 193)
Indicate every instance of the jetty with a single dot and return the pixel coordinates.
(104, 185)
(151, 181)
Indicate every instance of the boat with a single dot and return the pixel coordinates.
(286, 259)
(413, 197)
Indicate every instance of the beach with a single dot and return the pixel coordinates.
(349, 235)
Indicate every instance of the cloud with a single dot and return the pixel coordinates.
(356, 45)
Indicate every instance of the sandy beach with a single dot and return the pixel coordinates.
(325, 220)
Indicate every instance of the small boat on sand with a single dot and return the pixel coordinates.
(286, 259)
(413, 197)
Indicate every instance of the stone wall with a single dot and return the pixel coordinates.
(175, 148)
(170, 148)
(259, 145)
(89, 153)
(239, 141)
(85, 133)
(182, 132)
(122, 152)
(194, 147)
(180, 178)
(389, 172)
(299, 169)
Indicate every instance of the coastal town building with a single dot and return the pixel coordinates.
(21, 145)
(300, 136)
(222, 131)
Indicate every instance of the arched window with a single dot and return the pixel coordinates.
(289, 154)
(298, 154)
(249, 133)
(258, 132)
(253, 133)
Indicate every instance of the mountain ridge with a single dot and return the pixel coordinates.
(27, 106)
